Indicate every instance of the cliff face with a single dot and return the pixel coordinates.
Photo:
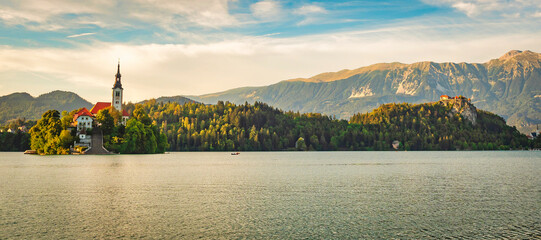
(462, 107)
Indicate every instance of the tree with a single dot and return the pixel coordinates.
(140, 138)
(66, 139)
(106, 120)
(140, 114)
(45, 135)
(314, 142)
(67, 118)
(133, 139)
(300, 144)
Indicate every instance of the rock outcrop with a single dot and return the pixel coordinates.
(462, 106)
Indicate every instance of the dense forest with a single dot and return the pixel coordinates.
(156, 127)
(13, 135)
(259, 127)
(14, 141)
(432, 126)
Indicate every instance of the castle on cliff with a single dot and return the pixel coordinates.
(460, 105)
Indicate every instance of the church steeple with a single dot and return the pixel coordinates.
(117, 90)
(118, 84)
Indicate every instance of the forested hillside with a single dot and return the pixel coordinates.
(259, 127)
(432, 126)
(23, 105)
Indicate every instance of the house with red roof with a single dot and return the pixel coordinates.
(83, 119)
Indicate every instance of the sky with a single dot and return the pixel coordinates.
(186, 47)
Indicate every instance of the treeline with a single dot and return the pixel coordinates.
(157, 127)
(225, 126)
(139, 135)
(432, 126)
(14, 141)
(259, 127)
(13, 138)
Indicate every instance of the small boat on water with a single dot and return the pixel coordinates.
(30, 152)
(235, 153)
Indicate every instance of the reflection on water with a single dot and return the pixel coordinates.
(272, 195)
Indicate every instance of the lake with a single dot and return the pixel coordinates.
(272, 195)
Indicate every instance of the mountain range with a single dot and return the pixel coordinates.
(509, 86)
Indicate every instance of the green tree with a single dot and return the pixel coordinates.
(45, 135)
(141, 115)
(66, 139)
(67, 118)
(300, 144)
(314, 142)
(106, 120)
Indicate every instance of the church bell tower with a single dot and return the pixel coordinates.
(117, 91)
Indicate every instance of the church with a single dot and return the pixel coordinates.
(84, 118)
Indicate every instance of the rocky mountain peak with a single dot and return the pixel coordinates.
(526, 55)
(510, 54)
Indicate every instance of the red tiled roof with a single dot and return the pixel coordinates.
(444, 96)
(82, 112)
(99, 106)
(124, 113)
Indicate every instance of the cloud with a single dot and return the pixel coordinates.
(312, 13)
(491, 8)
(310, 9)
(80, 35)
(50, 15)
(153, 70)
(266, 10)
(469, 8)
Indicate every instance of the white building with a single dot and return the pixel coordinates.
(83, 119)
(85, 139)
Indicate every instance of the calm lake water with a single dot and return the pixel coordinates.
(277, 195)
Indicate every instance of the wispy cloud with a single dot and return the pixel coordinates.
(267, 10)
(480, 8)
(310, 9)
(467, 7)
(311, 13)
(80, 35)
(61, 14)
